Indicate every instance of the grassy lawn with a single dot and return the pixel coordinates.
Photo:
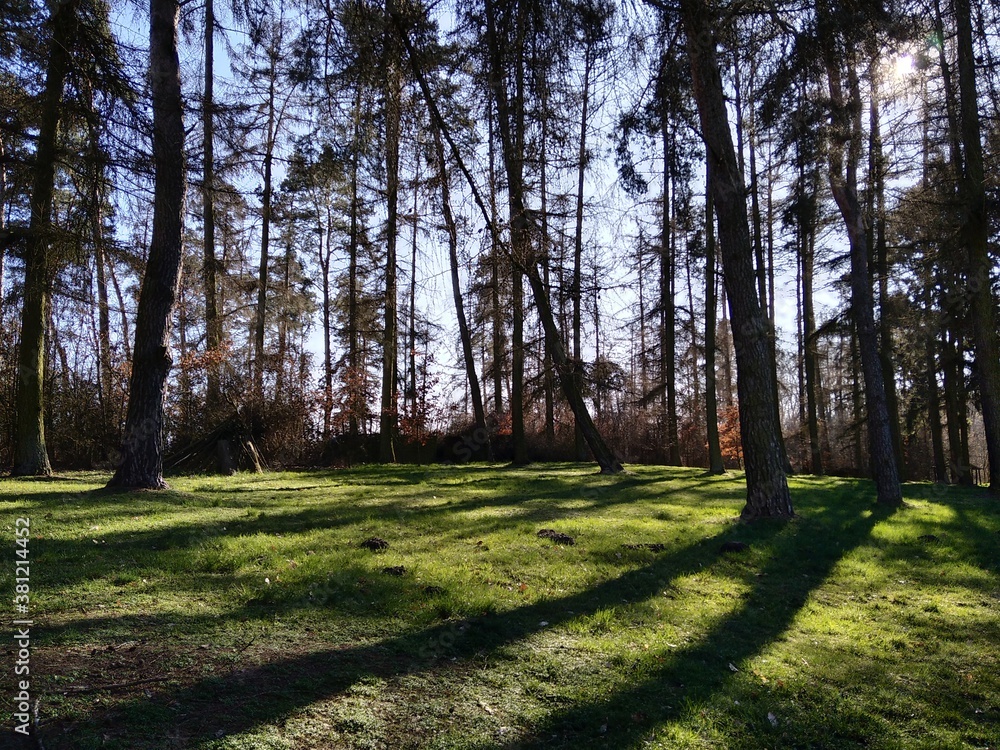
(243, 612)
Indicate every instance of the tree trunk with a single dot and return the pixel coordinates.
(265, 241)
(767, 486)
(576, 291)
(30, 457)
(877, 241)
(213, 321)
(497, 311)
(388, 423)
(847, 123)
(715, 463)
(668, 309)
(411, 385)
(975, 237)
(354, 375)
(548, 379)
(141, 464)
(934, 414)
(478, 410)
(810, 353)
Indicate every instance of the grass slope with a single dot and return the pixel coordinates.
(241, 613)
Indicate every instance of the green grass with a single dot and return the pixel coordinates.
(241, 613)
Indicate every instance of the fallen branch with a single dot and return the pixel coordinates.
(113, 686)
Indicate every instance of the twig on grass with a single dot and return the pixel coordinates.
(114, 686)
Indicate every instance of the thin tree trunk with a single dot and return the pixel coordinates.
(213, 321)
(265, 240)
(767, 487)
(30, 457)
(388, 423)
(715, 463)
(575, 290)
(548, 377)
(843, 183)
(354, 376)
(878, 242)
(411, 388)
(934, 414)
(668, 308)
(497, 312)
(810, 354)
(141, 464)
(327, 335)
(478, 410)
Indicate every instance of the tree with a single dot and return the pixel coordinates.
(843, 154)
(767, 486)
(392, 93)
(975, 236)
(141, 462)
(30, 456)
(715, 464)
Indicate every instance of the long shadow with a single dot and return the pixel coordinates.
(762, 617)
(231, 702)
(277, 520)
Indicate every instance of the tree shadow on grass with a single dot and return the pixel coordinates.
(690, 676)
(800, 558)
(546, 500)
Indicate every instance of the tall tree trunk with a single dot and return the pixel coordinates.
(411, 386)
(30, 457)
(141, 464)
(548, 382)
(810, 349)
(715, 463)
(877, 241)
(767, 486)
(975, 237)
(213, 321)
(354, 376)
(478, 410)
(100, 264)
(843, 183)
(668, 308)
(265, 238)
(576, 291)
(934, 414)
(496, 309)
(392, 91)
(324, 259)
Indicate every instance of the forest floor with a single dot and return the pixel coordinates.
(244, 613)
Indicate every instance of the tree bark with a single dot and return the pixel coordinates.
(668, 308)
(715, 463)
(388, 417)
(767, 486)
(877, 241)
(475, 393)
(213, 321)
(975, 237)
(141, 464)
(846, 115)
(265, 235)
(30, 456)
(576, 291)
(810, 349)
(355, 399)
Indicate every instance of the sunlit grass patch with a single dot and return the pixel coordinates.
(265, 622)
